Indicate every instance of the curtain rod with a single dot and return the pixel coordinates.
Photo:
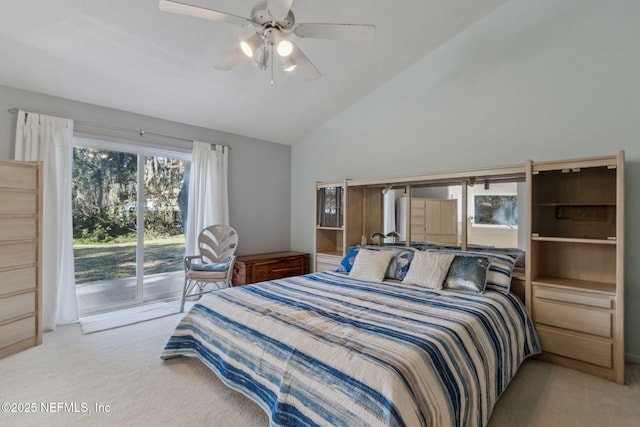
(121, 129)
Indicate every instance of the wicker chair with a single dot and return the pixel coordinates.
(213, 268)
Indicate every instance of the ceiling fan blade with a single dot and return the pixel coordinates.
(199, 12)
(279, 9)
(231, 60)
(305, 67)
(347, 32)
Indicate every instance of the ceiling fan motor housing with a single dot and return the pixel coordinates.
(260, 17)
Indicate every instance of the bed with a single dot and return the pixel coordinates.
(330, 349)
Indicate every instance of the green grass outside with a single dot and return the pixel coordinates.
(106, 261)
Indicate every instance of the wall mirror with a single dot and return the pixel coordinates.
(496, 213)
(493, 214)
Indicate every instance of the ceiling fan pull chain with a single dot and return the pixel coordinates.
(271, 64)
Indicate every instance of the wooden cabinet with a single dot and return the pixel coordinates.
(20, 256)
(576, 262)
(359, 213)
(434, 220)
(270, 266)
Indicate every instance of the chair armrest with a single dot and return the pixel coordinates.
(232, 261)
(188, 260)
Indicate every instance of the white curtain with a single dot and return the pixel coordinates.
(208, 195)
(389, 215)
(49, 139)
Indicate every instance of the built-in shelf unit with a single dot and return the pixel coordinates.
(577, 262)
(573, 281)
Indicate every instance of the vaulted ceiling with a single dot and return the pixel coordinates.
(132, 56)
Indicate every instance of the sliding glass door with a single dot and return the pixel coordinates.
(166, 193)
(128, 207)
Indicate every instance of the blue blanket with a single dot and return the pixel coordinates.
(325, 349)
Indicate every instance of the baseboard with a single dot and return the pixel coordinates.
(632, 358)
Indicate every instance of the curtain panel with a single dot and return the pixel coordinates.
(208, 194)
(390, 222)
(49, 139)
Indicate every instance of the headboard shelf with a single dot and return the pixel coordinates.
(566, 215)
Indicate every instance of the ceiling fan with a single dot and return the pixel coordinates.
(268, 32)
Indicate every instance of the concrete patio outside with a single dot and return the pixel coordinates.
(95, 296)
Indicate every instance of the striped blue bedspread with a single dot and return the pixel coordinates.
(324, 349)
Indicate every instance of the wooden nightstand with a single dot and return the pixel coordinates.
(275, 265)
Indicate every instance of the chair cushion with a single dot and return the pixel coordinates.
(207, 276)
(212, 266)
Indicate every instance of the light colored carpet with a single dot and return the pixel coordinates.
(130, 316)
(121, 369)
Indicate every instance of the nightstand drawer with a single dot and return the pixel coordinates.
(591, 350)
(577, 318)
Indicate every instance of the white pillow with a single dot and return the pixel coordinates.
(428, 269)
(370, 265)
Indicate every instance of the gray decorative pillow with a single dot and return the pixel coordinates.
(370, 265)
(467, 273)
(428, 269)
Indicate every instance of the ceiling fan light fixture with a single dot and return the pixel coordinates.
(262, 56)
(250, 45)
(285, 47)
(289, 64)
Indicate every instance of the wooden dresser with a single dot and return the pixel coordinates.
(20, 256)
(275, 265)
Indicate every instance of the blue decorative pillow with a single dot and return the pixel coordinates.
(212, 266)
(347, 261)
(467, 273)
(400, 263)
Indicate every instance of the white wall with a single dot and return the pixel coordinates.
(539, 80)
(261, 213)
